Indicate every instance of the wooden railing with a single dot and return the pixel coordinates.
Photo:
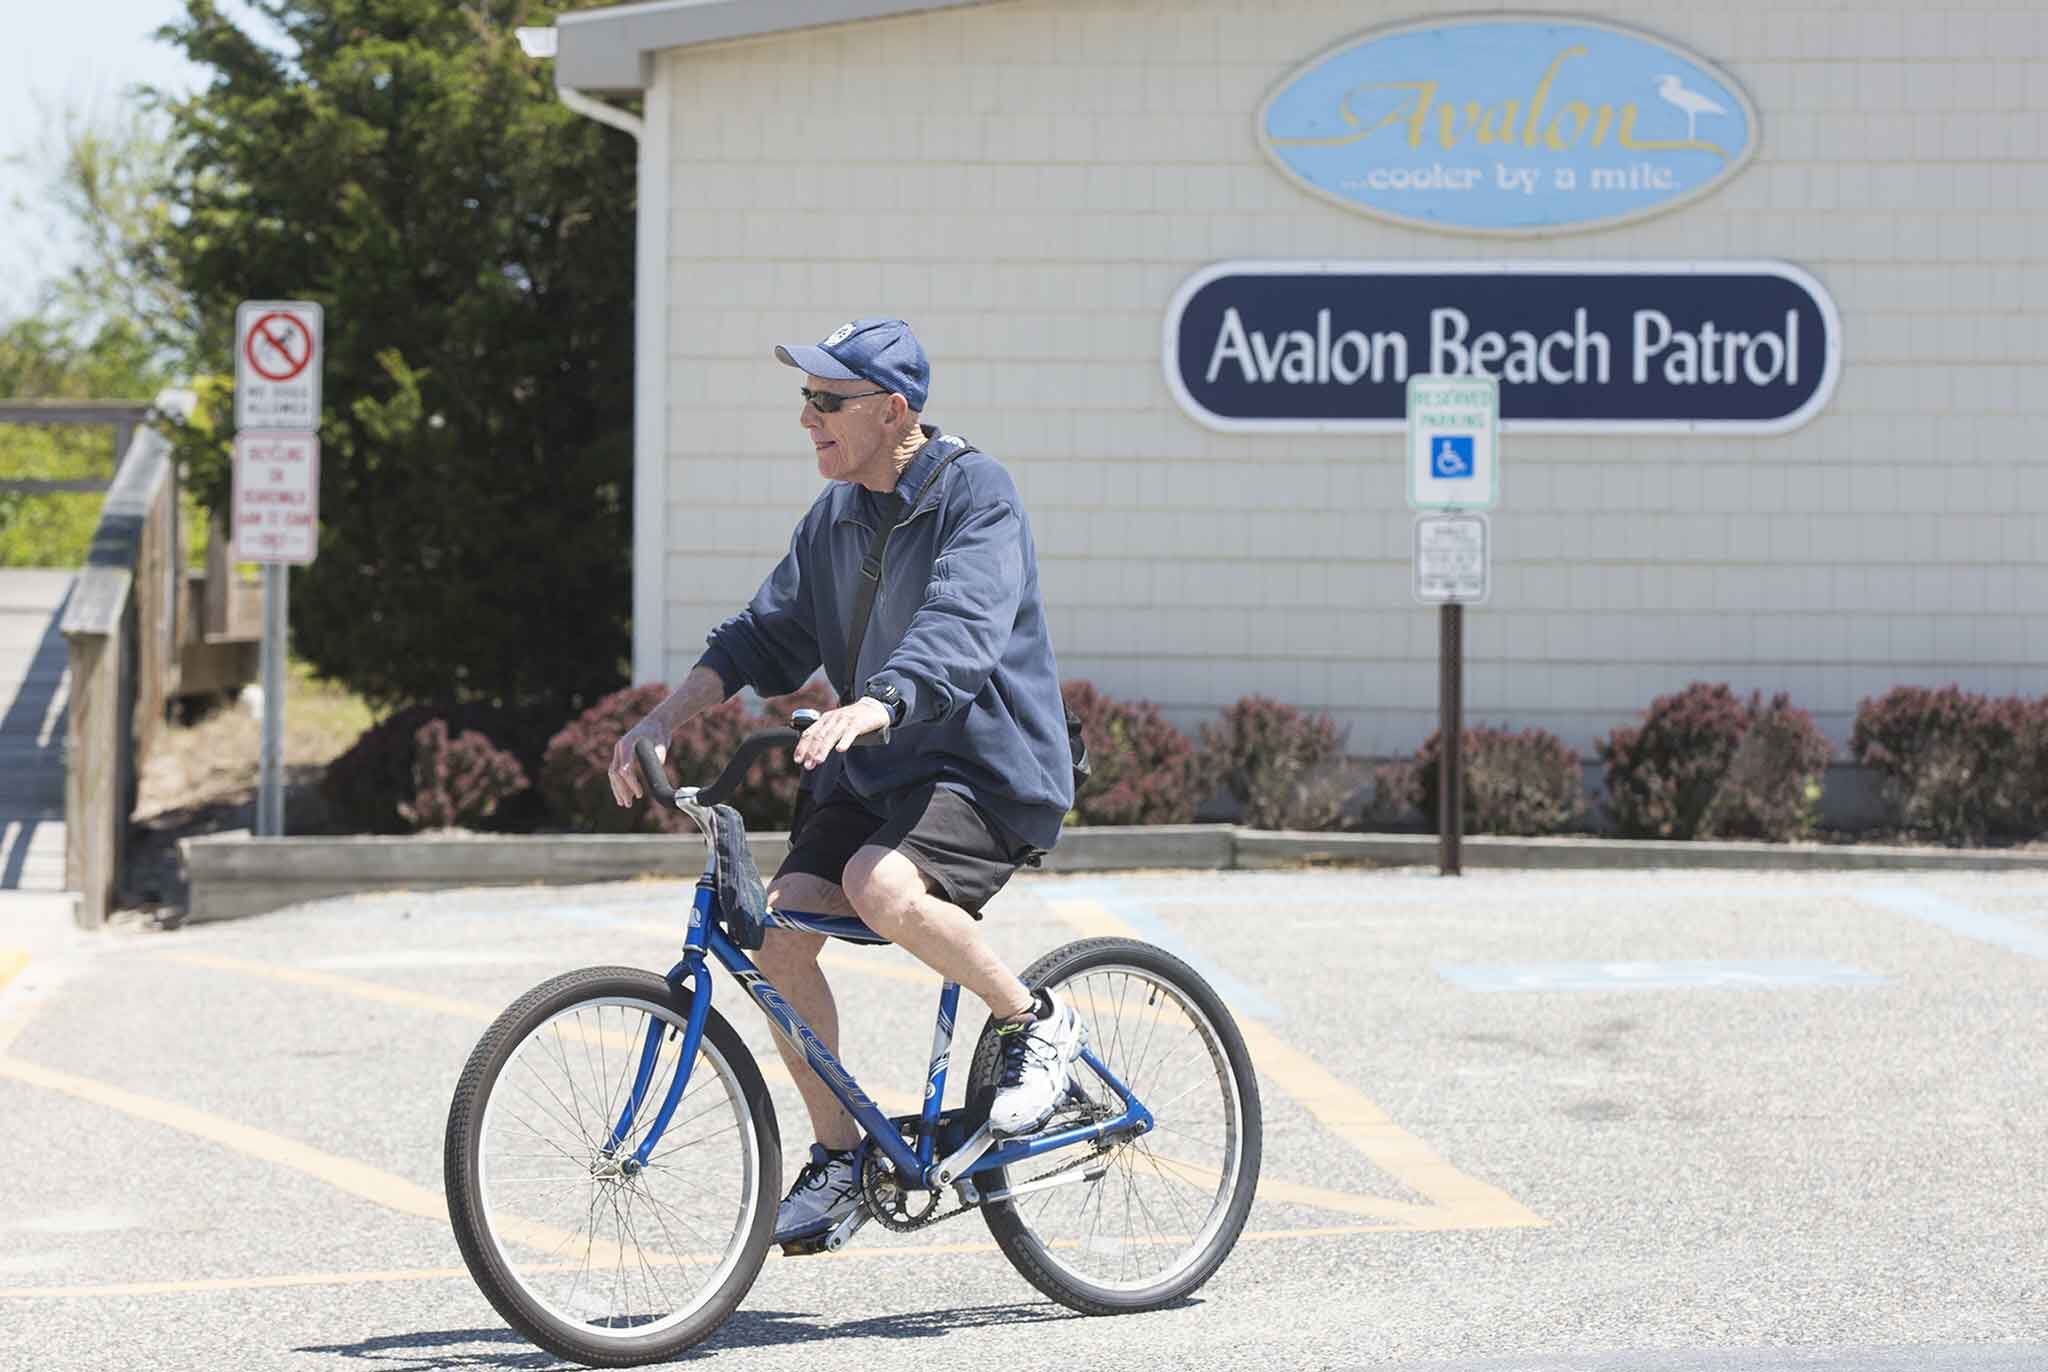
(122, 623)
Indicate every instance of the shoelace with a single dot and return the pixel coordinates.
(811, 1175)
(1020, 1048)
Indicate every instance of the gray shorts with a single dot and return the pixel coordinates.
(964, 856)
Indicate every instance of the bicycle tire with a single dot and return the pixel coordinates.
(724, 1070)
(1053, 1265)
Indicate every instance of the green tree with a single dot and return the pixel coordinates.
(470, 242)
(108, 326)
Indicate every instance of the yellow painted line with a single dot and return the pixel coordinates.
(12, 960)
(355, 1178)
(1456, 1200)
(906, 1250)
(893, 1103)
(343, 1174)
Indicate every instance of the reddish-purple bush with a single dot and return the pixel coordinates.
(1662, 774)
(1527, 783)
(1141, 768)
(1705, 765)
(1772, 787)
(1957, 765)
(579, 793)
(1286, 769)
(458, 781)
(367, 787)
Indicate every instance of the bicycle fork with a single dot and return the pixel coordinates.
(643, 1077)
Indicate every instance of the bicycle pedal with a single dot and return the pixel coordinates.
(804, 1248)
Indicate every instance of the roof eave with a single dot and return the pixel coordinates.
(613, 49)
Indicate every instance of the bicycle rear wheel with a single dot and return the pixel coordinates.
(1169, 1204)
(586, 1253)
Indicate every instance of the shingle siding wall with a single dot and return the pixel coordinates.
(1029, 183)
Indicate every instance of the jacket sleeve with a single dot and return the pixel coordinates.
(970, 606)
(772, 645)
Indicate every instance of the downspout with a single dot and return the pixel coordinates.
(650, 352)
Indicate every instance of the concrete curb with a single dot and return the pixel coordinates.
(233, 875)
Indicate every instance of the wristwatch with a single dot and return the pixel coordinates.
(891, 700)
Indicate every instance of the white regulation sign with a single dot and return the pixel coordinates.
(277, 364)
(1452, 560)
(1453, 442)
(277, 497)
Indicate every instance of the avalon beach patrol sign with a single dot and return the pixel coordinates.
(1578, 347)
(1508, 125)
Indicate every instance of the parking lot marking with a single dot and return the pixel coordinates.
(1456, 1200)
(358, 1179)
(1997, 930)
(200, 1285)
(894, 1102)
(12, 960)
(1638, 975)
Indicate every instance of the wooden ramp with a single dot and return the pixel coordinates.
(33, 690)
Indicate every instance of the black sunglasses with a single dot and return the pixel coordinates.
(828, 402)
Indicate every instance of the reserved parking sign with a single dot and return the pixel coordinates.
(1453, 442)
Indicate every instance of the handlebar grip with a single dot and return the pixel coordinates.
(652, 776)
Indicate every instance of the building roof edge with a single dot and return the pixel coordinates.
(612, 49)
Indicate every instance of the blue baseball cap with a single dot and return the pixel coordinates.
(883, 351)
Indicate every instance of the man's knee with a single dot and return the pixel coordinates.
(884, 887)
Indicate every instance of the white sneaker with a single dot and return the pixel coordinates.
(1036, 1062)
(827, 1190)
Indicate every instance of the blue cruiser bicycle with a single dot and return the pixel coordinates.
(613, 1162)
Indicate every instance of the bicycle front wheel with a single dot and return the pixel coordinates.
(1140, 1224)
(584, 1249)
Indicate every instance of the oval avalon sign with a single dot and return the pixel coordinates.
(1509, 125)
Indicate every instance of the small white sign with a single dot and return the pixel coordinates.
(1452, 560)
(277, 364)
(1453, 442)
(277, 497)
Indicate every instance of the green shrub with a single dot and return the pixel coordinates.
(1527, 783)
(1141, 768)
(1286, 769)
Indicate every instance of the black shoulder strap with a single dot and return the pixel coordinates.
(871, 570)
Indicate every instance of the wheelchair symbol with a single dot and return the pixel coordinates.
(1451, 460)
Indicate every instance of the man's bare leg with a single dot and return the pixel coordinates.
(790, 960)
(889, 894)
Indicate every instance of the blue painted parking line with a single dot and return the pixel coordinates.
(1772, 975)
(2009, 934)
(1112, 897)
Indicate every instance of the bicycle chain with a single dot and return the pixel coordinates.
(872, 1177)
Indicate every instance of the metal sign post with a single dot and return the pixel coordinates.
(276, 494)
(1453, 468)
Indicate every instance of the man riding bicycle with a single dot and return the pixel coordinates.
(973, 774)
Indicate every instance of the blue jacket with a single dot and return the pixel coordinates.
(958, 629)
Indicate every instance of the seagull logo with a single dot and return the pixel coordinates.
(1692, 102)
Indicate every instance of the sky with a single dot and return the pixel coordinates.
(83, 55)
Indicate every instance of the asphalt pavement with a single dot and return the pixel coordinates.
(1514, 1122)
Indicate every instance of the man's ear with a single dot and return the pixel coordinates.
(899, 410)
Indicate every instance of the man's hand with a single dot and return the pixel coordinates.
(625, 773)
(836, 730)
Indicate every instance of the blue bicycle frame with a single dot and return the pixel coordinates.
(916, 1163)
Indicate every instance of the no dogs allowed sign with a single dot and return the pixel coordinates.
(277, 365)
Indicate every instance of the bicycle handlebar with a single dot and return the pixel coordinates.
(718, 792)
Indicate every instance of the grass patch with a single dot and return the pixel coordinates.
(215, 761)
